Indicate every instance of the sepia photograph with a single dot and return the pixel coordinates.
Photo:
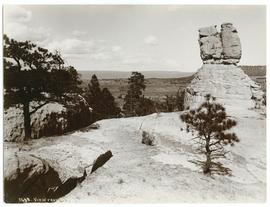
(127, 103)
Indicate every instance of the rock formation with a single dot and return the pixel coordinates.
(219, 75)
(228, 83)
(27, 177)
(30, 178)
(53, 118)
(220, 48)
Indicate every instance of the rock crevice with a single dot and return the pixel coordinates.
(30, 178)
(222, 47)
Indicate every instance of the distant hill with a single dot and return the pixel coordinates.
(257, 73)
(254, 70)
(126, 74)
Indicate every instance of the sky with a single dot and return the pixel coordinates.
(127, 38)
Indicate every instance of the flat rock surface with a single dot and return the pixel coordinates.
(161, 173)
(164, 172)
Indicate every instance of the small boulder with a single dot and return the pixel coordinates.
(53, 118)
(101, 160)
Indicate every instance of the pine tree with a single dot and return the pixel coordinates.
(134, 94)
(30, 74)
(110, 108)
(180, 95)
(101, 101)
(210, 122)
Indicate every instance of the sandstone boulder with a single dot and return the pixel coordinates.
(32, 175)
(211, 49)
(53, 118)
(219, 48)
(27, 177)
(231, 44)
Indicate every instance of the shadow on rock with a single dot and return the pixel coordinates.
(31, 179)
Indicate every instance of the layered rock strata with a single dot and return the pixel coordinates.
(228, 83)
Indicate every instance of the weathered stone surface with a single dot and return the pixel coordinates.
(27, 177)
(219, 48)
(211, 49)
(228, 83)
(231, 44)
(31, 176)
(51, 119)
(208, 31)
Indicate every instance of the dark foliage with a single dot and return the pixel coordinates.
(32, 73)
(133, 97)
(64, 80)
(264, 99)
(135, 103)
(175, 103)
(109, 108)
(171, 103)
(148, 139)
(210, 123)
(101, 101)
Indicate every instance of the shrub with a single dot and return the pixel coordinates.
(148, 139)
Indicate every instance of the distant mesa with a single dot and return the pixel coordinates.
(222, 47)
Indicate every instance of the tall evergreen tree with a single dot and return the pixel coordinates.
(110, 109)
(133, 98)
(94, 96)
(101, 101)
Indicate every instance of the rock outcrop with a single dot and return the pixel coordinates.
(27, 177)
(220, 48)
(219, 75)
(53, 118)
(228, 83)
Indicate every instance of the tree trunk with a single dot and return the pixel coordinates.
(207, 165)
(27, 121)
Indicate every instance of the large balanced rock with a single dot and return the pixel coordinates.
(219, 76)
(53, 118)
(219, 48)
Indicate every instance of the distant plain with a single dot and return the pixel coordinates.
(158, 83)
